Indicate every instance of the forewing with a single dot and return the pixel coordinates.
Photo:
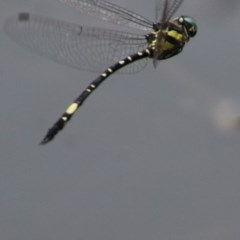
(85, 48)
(110, 12)
(165, 9)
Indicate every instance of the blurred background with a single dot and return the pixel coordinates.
(152, 155)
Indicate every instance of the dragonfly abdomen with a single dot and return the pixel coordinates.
(73, 107)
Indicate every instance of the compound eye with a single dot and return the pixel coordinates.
(192, 31)
(189, 24)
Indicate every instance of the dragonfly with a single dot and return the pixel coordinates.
(94, 49)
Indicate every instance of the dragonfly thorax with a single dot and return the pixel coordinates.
(167, 41)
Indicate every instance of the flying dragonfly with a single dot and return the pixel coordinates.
(95, 49)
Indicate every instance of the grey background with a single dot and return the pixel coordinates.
(152, 155)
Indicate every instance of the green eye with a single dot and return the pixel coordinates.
(190, 25)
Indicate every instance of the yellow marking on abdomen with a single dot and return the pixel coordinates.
(104, 74)
(64, 119)
(72, 108)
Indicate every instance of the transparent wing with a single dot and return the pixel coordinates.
(110, 12)
(165, 9)
(85, 48)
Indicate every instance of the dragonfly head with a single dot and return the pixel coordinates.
(188, 23)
